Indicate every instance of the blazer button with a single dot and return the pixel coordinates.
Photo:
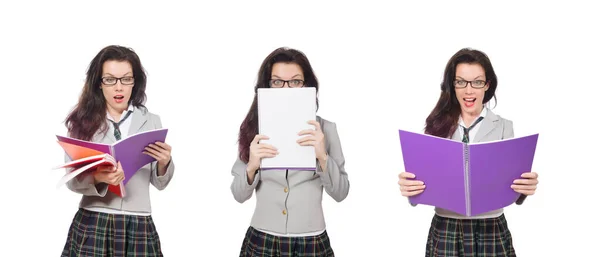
(285, 190)
(284, 212)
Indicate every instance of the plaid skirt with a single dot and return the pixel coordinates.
(469, 238)
(96, 234)
(259, 244)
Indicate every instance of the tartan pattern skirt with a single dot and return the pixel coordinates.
(469, 238)
(259, 244)
(95, 234)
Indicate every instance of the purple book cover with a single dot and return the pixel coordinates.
(442, 164)
(493, 168)
(293, 168)
(129, 150)
(439, 164)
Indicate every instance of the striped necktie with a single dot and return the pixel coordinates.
(465, 138)
(116, 125)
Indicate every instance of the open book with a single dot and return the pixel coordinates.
(86, 156)
(468, 179)
(282, 113)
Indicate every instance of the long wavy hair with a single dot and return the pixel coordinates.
(443, 120)
(249, 127)
(88, 116)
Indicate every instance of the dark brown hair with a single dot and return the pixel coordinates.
(88, 117)
(443, 120)
(249, 127)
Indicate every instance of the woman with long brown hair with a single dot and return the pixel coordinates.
(110, 108)
(288, 219)
(461, 114)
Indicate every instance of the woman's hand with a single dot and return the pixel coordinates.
(162, 153)
(527, 184)
(257, 152)
(409, 186)
(316, 138)
(109, 174)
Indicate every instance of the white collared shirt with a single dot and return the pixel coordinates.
(124, 127)
(473, 130)
(291, 234)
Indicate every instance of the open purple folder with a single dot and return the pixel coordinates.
(129, 150)
(468, 179)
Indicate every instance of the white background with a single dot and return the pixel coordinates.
(379, 65)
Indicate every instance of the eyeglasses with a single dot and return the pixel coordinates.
(474, 83)
(291, 83)
(111, 81)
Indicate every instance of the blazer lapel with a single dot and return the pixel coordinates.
(139, 117)
(488, 124)
(103, 137)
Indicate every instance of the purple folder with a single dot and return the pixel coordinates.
(468, 179)
(129, 150)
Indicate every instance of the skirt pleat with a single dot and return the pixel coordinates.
(96, 234)
(469, 238)
(259, 244)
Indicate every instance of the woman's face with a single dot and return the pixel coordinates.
(470, 85)
(286, 75)
(117, 84)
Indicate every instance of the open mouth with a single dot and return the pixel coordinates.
(119, 98)
(469, 102)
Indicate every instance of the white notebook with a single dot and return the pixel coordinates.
(282, 113)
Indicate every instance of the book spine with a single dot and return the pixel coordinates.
(258, 110)
(466, 176)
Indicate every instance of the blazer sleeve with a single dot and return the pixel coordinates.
(508, 130)
(240, 188)
(84, 184)
(161, 182)
(334, 177)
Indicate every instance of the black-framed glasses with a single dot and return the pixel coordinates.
(111, 81)
(291, 83)
(474, 83)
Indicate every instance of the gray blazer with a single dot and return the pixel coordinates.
(289, 201)
(137, 198)
(493, 127)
